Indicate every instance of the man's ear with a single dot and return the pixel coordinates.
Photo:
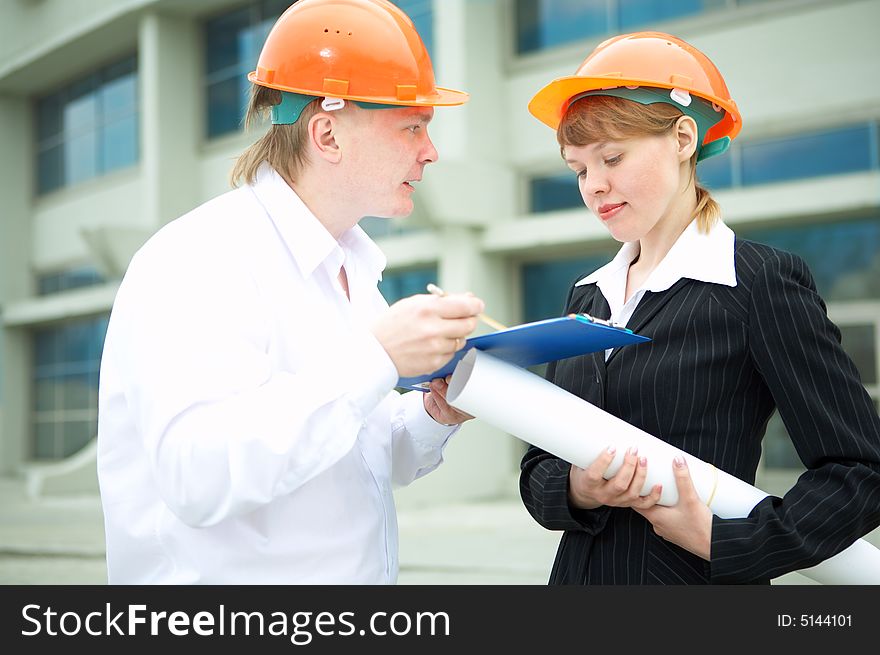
(322, 137)
(686, 135)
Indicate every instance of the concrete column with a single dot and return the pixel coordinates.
(171, 125)
(471, 184)
(16, 190)
(481, 461)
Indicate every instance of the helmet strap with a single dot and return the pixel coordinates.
(703, 112)
(288, 111)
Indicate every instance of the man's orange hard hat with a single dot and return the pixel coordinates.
(366, 50)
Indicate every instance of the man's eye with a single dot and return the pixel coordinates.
(581, 174)
(611, 161)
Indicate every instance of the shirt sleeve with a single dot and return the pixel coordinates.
(418, 440)
(832, 423)
(224, 430)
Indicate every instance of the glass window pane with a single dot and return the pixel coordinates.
(860, 344)
(843, 256)
(81, 110)
(75, 435)
(50, 169)
(46, 445)
(543, 24)
(400, 284)
(546, 284)
(223, 47)
(119, 97)
(638, 13)
(119, 143)
(76, 392)
(554, 192)
(88, 128)
(81, 157)
(66, 385)
(779, 451)
(422, 15)
(716, 172)
(50, 122)
(47, 347)
(822, 153)
(45, 396)
(226, 106)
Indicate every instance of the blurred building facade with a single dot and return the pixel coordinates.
(117, 116)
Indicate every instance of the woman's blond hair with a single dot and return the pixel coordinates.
(284, 147)
(598, 118)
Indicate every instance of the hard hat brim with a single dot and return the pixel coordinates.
(550, 103)
(442, 98)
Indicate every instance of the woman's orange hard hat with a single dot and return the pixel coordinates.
(652, 59)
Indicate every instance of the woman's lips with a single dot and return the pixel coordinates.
(608, 211)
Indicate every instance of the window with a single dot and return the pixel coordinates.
(232, 47)
(554, 192)
(233, 42)
(88, 128)
(828, 152)
(422, 16)
(66, 363)
(843, 256)
(834, 151)
(545, 284)
(400, 284)
(67, 280)
(542, 24)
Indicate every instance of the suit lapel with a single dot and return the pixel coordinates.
(600, 309)
(649, 305)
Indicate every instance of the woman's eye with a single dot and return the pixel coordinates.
(611, 161)
(413, 128)
(581, 174)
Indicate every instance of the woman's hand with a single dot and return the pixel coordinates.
(588, 489)
(688, 523)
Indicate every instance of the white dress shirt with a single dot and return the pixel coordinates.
(248, 428)
(694, 255)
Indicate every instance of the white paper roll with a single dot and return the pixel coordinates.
(540, 413)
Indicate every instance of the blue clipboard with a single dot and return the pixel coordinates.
(537, 343)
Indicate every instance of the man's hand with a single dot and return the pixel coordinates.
(438, 408)
(422, 332)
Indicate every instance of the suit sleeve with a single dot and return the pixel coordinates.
(543, 483)
(832, 423)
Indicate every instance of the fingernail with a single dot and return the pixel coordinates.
(643, 461)
(611, 450)
(679, 461)
(634, 450)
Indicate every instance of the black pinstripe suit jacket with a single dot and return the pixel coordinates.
(720, 360)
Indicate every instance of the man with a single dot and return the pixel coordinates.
(249, 430)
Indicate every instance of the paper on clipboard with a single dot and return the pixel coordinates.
(537, 343)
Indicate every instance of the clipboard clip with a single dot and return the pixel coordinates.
(600, 321)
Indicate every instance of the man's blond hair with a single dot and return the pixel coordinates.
(284, 147)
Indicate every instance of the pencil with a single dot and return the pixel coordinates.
(488, 320)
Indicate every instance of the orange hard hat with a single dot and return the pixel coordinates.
(650, 59)
(365, 50)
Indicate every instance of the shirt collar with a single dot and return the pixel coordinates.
(305, 236)
(694, 255)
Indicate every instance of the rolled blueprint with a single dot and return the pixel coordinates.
(507, 396)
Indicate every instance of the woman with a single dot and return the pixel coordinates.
(737, 331)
